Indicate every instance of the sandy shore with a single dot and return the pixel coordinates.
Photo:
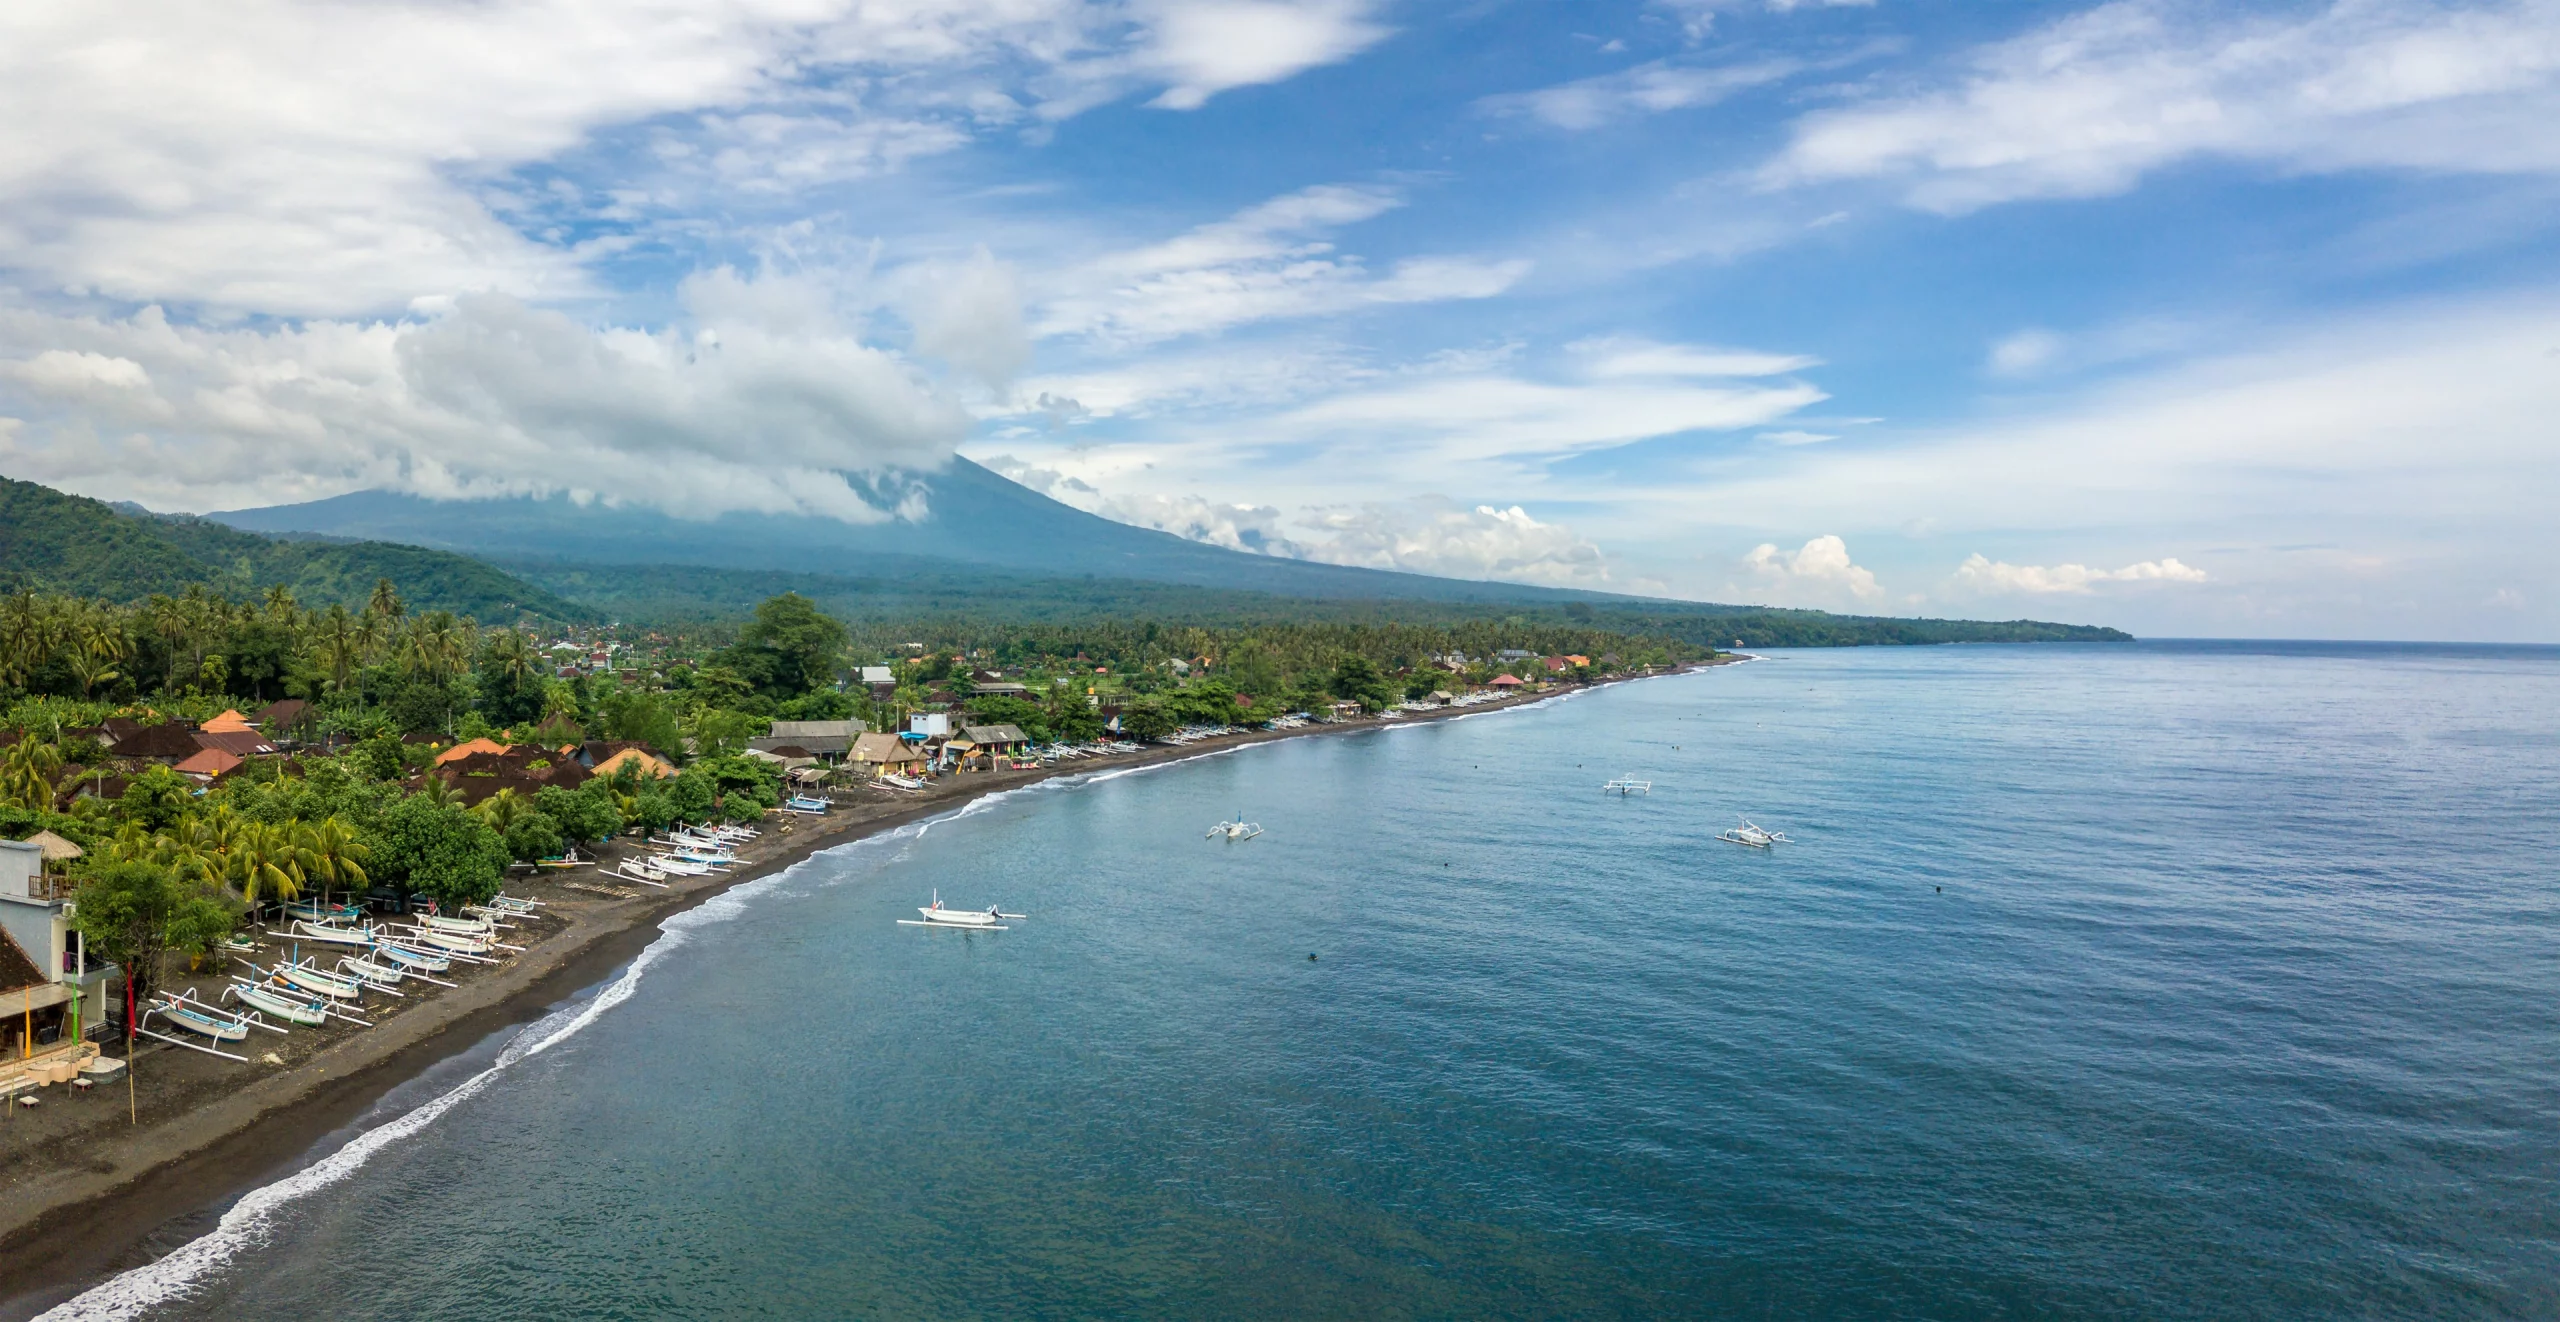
(85, 1193)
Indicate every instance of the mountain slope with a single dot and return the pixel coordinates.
(56, 542)
(911, 589)
(976, 517)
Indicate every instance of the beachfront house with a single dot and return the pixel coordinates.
(830, 740)
(883, 685)
(49, 991)
(1505, 683)
(996, 741)
(887, 755)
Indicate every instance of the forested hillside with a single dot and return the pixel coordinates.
(956, 601)
(54, 542)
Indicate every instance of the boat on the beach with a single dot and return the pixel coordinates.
(185, 1011)
(270, 1000)
(806, 806)
(1752, 836)
(382, 977)
(306, 930)
(311, 978)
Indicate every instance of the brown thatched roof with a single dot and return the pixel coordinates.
(56, 849)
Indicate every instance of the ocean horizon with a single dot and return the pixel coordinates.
(2183, 978)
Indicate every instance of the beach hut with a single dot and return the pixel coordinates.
(1505, 683)
(887, 754)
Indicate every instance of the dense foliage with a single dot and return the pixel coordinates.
(53, 542)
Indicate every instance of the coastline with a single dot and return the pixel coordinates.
(92, 1211)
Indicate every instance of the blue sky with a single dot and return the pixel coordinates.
(2193, 319)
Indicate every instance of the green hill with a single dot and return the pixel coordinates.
(917, 588)
(54, 542)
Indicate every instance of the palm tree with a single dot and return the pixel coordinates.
(340, 645)
(502, 810)
(386, 601)
(434, 789)
(27, 772)
(98, 641)
(264, 857)
(168, 618)
(280, 605)
(329, 850)
(26, 636)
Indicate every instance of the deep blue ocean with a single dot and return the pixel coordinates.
(2152, 981)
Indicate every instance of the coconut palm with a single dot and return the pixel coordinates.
(386, 601)
(167, 617)
(329, 850)
(264, 858)
(502, 810)
(26, 774)
(339, 644)
(26, 636)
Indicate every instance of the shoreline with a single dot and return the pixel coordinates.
(94, 1212)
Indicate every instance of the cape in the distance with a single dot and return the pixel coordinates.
(989, 548)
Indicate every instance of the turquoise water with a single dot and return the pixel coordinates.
(2151, 981)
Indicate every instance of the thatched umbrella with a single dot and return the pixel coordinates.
(56, 849)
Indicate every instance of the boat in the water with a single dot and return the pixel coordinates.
(1239, 829)
(1753, 836)
(1627, 785)
(935, 915)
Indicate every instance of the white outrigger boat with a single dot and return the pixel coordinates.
(983, 920)
(381, 977)
(1627, 785)
(327, 933)
(272, 1000)
(183, 1010)
(1753, 837)
(311, 978)
(1239, 829)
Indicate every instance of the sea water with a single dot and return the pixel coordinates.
(2146, 981)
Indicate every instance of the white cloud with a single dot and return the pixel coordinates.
(757, 402)
(2087, 105)
(1820, 570)
(1618, 356)
(298, 160)
(1426, 535)
(1205, 47)
(1647, 89)
(1697, 17)
(1981, 574)
(1469, 418)
(970, 315)
(1268, 261)
(1798, 437)
(2025, 352)
(1237, 527)
(1429, 536)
